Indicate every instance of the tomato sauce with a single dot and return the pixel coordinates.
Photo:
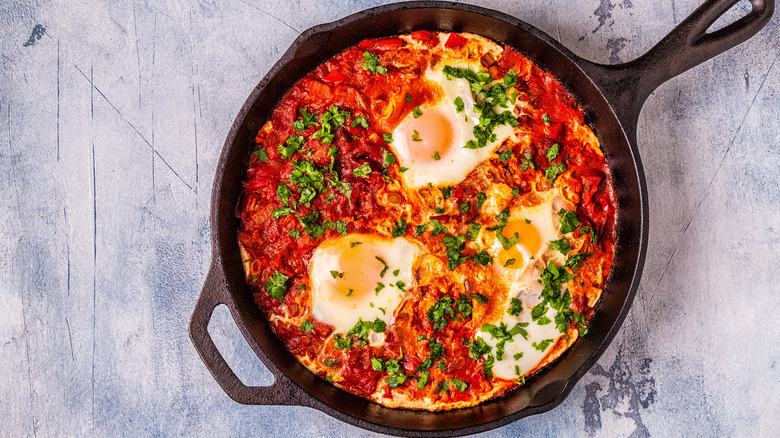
(344, 82)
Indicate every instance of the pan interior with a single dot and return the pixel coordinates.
(545, 390)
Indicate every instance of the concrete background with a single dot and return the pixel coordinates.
(112, 117)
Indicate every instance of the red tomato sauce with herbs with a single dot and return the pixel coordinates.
(273, 244)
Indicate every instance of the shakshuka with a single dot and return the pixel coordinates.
(427, 220)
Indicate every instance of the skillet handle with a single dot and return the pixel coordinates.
(214, 293)
(627, 85)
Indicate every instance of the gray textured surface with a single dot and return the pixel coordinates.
(112, 117)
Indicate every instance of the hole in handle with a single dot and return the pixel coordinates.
(233, 347)
(734, 13)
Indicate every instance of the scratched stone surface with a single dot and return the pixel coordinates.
(112, 118)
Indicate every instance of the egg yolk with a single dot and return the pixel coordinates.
(529, 239)
(429, 134)
(357, 275)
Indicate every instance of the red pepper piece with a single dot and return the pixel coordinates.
(455, 41)
(334, 76)
(388, 44)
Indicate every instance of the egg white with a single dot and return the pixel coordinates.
(522, 275)
(531, 356)
(523, 281)
(456, 162)
(350, 262)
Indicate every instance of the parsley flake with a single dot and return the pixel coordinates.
(275, 286)
(261, 154)
(307, 326)
(361, 120)
(371, 63)
(362, 171)
(459, 105)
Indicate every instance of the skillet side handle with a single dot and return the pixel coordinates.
(628, 85)
(214, 293)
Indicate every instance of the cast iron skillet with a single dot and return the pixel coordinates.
(612, 97)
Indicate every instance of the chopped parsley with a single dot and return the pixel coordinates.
(541, 346)
(589, 230)
(464, 305)
(283, 192)
(438, 313)
(408, 97)
(416, 112)
(416, 136)
(453, 247)
(387, 137)
(504, 334)
(560, 245)
(527, 162)
(362, 171)
(464, 207)
(307, 195)
(307, 326)
(307, 119)
(419, 229)
(552, 152)
(399, 229)
(329, 121)
(507, 242)
(423, 380)
(505, 156)
(275, 286)
(515, 307)
(362, 328)
(291, 146)
(371, 63)
(458, 384)
(342, 343)
(384, 264)
(388, 159)
(569, 221)
(437, 228)
(481, 198)
(494, 96)
(436, 156)
(546, 119)
(478, 348)
(482, 258)
(553, 171)
(575, 260)
(261, 154)
(306, 174)
(361, 120)
(459, 105)
(281, 212)
(442, 386)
